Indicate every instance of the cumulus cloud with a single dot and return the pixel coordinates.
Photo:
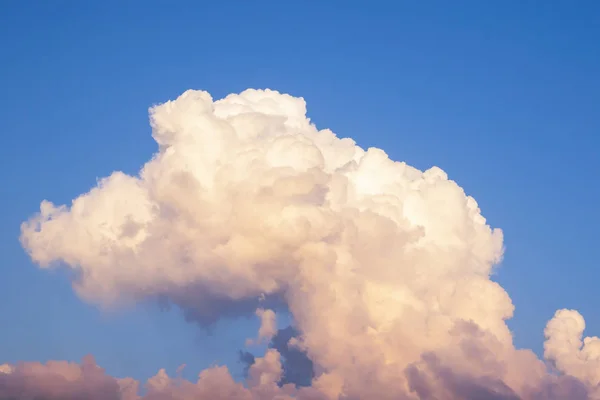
(297, 367)
(569, 351)
(268, 326)
(60, 380)
(385, 268)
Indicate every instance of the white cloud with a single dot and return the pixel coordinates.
(385, 268)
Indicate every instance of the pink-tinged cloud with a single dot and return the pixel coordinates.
(385, 268)
(58, 380)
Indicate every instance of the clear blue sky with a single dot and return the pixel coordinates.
(502, 95)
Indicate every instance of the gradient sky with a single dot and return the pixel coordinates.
(503, 96)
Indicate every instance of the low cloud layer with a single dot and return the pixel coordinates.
(385, 268)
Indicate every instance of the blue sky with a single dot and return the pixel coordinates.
(502, 95)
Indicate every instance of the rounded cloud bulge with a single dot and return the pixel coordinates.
(385, 268)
